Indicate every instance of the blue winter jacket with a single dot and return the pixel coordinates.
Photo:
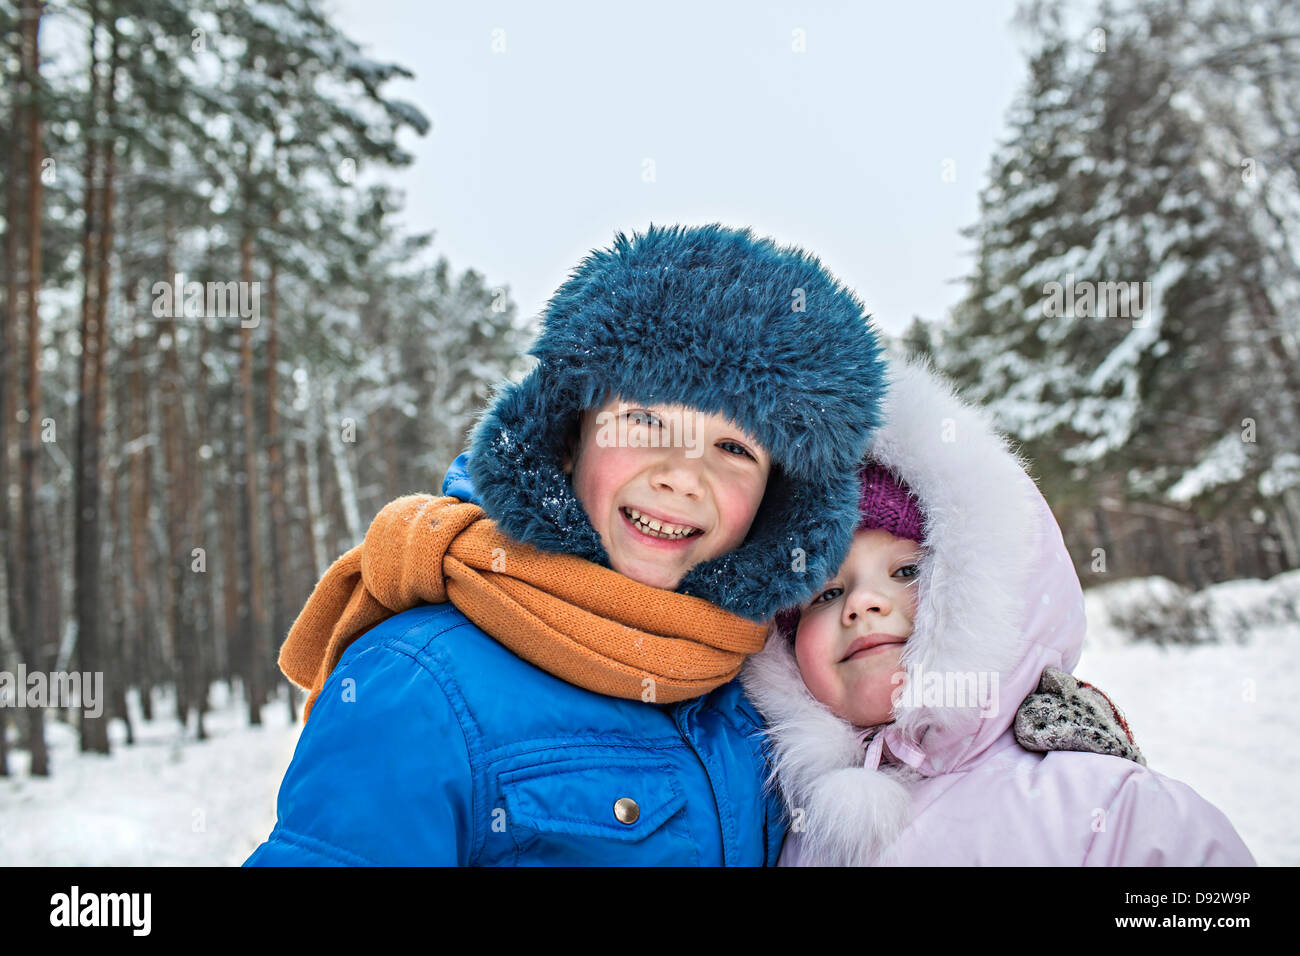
(433, 744)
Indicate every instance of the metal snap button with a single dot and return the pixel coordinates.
(626, 810)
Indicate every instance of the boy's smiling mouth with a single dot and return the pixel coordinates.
(657, 528)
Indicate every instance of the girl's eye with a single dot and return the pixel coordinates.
(908, 571)
(823, 599)
(740, 448)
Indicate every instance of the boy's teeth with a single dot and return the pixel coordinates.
(660, 529)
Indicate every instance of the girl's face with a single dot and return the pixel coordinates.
(851, 634)
(666, 487)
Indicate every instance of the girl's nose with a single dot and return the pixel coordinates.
(866, 601)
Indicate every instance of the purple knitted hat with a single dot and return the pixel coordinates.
(887, 503)
(884, 502)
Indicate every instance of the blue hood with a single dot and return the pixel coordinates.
(724, 322)
(458, 483)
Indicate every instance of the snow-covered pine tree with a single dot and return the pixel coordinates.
(1109, 180)
(241, 136)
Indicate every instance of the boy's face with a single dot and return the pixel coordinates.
(696, 475)
(851, 634)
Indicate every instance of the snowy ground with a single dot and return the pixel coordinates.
(168, 800)
(1220, 717)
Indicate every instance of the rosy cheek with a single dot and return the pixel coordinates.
(810, 655)
(602, 477)
(912, 598)
(595, 484)
(737, 506)
(727, 524)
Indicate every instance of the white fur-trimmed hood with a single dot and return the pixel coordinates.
(997, 596)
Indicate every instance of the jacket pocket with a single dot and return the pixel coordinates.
(599, 811)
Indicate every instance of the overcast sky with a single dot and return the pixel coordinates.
(541, 152)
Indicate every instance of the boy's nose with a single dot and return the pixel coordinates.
(677, 474)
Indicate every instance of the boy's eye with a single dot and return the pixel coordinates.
(641, 417)
(908, 571)
(740, 448)
(823, 598)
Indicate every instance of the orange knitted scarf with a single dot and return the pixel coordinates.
(584, 623)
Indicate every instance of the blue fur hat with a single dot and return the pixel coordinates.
(722, 321)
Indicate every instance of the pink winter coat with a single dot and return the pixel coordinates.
(946, 783)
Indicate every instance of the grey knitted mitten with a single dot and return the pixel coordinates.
(1066, 713)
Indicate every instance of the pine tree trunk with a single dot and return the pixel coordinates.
(251, 621)
(236, 640)
(33, 619)
(117, 678)
(139, 476)
(202, 530)
(96, 250)
(315, 509)
(4, 741)
(278, 522)
(179, 511)
(342, 467)
(305, 566)
(1105, 537)
(9, 397)
(1288, 525)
